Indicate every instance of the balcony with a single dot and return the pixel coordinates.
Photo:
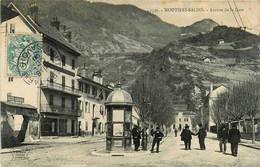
(60, 88)
(45, 108)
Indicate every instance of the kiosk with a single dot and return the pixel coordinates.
(119, 121)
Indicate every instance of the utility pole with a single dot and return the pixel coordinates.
(201, 113)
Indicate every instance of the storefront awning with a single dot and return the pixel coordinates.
(19, 109)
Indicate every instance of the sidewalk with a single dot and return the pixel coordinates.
(244, 142)
(47, 142)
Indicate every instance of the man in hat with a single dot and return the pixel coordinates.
(157, 138)
(136, 137)
(201, 135)
(234, 138)
(222, 137)
(186, 137)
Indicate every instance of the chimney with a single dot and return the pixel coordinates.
(97, 77)
(211, 89)
(66, 32)
(33, 12)
(55, 23)
(67, 35)
(84, 71)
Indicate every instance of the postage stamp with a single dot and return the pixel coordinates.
(24, 55)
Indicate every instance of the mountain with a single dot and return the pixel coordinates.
(236, 36)
(124, 41)
(100, 28)
(202, 26)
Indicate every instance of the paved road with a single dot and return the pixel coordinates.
(172, 154)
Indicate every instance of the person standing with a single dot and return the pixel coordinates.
(144, 138)
(176, 132)
(136, 137)
(234, 138)
(186, 137)
(223, 137)
(158, 135)
(202, 135)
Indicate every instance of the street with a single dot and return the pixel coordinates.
(172, 153)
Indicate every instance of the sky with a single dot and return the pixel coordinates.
(190, 11)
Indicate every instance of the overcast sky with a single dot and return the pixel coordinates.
(248, 11)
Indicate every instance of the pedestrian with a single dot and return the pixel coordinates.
(158, 135)
(186, 137)
(152, 132)
(176, 132)
(136, 137)
(144, 138)
(202, 135)
(223, 137)
(234, 138)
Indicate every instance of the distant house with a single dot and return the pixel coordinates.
(183, 117)
(212, 94)
(247, 124)
(221, 41)
(206, 60)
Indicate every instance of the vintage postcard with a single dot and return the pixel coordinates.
(130, 83)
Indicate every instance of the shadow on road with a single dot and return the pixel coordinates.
(197, 149)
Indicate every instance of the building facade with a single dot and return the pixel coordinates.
(94, 94)
(19, 115)
(45, 73)
(183, 117)
(213, 95)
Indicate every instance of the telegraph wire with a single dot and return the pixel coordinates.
(233, 13)
(239, 14)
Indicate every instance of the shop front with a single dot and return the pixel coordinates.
(19, 122)
(58, 125)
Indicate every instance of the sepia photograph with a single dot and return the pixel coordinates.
(130, 83)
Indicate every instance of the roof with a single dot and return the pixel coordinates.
(44, 27)
(256, 116)
(28, 106)
(119, 97)
(83, 78)
(7, 13)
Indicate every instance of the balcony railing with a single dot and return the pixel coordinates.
(60, 110)
(59, 87)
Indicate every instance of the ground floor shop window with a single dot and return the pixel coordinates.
(49, 127)
(63, 126)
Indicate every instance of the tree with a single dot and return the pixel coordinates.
(250, 96)
(220, 109)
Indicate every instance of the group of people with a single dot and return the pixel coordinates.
(137, 133)
(224, 135)
(186, 136)
(232, 136)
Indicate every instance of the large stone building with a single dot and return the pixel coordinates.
(38, 78)
(18, 93)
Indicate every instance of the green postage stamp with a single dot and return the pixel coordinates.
(24, 55)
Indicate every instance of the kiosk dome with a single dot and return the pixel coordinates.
(119, 97)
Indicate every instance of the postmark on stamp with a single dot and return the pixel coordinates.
(24, 55)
